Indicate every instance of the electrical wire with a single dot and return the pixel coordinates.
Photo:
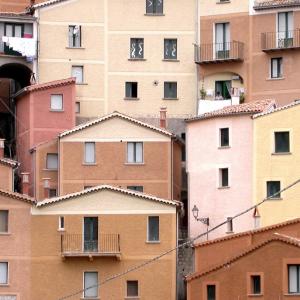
(188, 243)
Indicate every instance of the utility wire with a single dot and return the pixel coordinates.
(188, 243)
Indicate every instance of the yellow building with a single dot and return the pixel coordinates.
(131, 56)
(276, 163)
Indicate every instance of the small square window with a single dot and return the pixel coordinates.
(170, 90)
(3, 273)
(136, 48)
(276, 67)
(56, 102)
(135, 152)
(52, 161)
(77, 107)
(132, 288)
(273, 187)
(154, 6)
(77, 72)
(211, 292)
(137, 188)
(282, 142)
(224, 178)
(294, 279)
(131, 90)
(74, 36)
(256, 284)
(52, 193)
(224, 137)
(3, 221)
(90, 282)
(170, 46)
(89, 153)
(153, 229)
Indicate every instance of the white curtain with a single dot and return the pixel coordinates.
(52, 161)
(77, 72)
(57, 102)
(3, 272)
(90, 279)
(139, 152)
(89, 152)
(293, 270)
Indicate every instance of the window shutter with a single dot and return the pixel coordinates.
(3, 272)
(139, 152)
(3, 220)
(90, 153)
(90, 279)
(130, 152)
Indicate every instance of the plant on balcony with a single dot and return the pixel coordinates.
(242, 98)
(202, 92)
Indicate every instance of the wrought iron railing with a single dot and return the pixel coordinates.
(76, 244)
(219, 52)
(280, 40)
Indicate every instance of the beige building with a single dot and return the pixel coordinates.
(130, 56)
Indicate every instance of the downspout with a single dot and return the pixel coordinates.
(172, 168)
(58, 171)
(177, 260)
(37, 35)
(197, 41)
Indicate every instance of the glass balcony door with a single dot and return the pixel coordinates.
(222, 41)
(285, 27)
(90, 242)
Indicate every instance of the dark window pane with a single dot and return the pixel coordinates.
(294, 279)
(222, 90)
(170, 49)
(229, 225)
(255, 284)
(224, 177)
(52, 193)
(276, 67)
(3, 220)
(137, 188)
(136, 48)
(272, 188)
(131, 89)
(154, 6)
(153, 229)
(224, 137)
(282, 142)
(211, 292)
(132, 288)
(170, 90)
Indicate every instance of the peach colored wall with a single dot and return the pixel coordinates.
(204, 158)
(15, 247)
(6, 177)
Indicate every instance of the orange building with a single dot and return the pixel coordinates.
(263, 263)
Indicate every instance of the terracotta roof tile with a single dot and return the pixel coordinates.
(17, 196)
(47, 3)
(245, 108)
(260, 5)
(9, 162)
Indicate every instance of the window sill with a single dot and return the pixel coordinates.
(132, 298)
(291, 295)
(171, 60)
(57, 110)
(137, 59)
(275, 78)
(154, 15)
(223, 2)
(152, 242)
(90, 298)
(134, 164)
(50, 170)
(273, 199)
(255, 295)
(229, 232)
(4, 285)
(224, 147)
(81, 83)
(89, 164)
(170, 99)
(61, 230)
(5, 233)
(131, 99)
(82, 48)
(282, 153)
(223, 187)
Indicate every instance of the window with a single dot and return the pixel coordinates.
(77, 107)
(90, 279)
(136, 48)
(137, 188)
(154, 6)
(222, 41)
(170, 49)
(282, 142)
(52, 161)
(3, 221)
(229, 224)
(276, 67)
(52, 193)
(224, 182)
(87, 187)
(74, 36)
(170, 90)
(132, 288)
(131, 90)
(89, 153)
(13, 30)
(3, 273)
(61, 223)
(255, 284)
(77, 72)
(224, 137)
(153, 229)
(211, 292)
(222, 89)
(285, 29)
(294, 279)
(56, 102)
(273, 187)
(135, 152)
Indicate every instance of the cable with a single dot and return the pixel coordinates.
(188, 243)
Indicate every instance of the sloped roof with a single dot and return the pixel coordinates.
(9, 162)
(295, 103)
(269, 4)
(275, 238)
(240, 109)
(108, 188)
(249, 232)
(115, 115)
(47, 3)
(17, 196)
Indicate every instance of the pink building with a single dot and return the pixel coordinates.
(43, 111)
(219, 168)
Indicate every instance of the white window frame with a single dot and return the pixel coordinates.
(71, 45)
(85, 157)
(83, 294)
(135, 156)
(7, 274)
(219, 176)
(148, 240)
(62, 102)
(82, 74)
(60, 218)
(47, 165)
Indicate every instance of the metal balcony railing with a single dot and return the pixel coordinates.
(75, 245)
(219, 52)
(271, 41)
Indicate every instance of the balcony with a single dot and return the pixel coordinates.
(283, 40)
(219, 52)
(74, 245)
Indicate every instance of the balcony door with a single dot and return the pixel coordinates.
(222, 40)
(90, 232)
(285, 27)
(13, 30)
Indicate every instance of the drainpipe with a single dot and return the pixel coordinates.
(197, 42)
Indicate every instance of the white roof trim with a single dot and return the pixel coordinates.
(110, 188)
(296, 102)
(10, 162)
(113, 115)
(47, 3)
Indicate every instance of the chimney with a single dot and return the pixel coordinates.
(163, 118)
(2, 148)
(46, 187)
(25, 183)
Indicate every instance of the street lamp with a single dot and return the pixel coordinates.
(205, 221)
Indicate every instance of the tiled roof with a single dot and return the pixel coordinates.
(47, 85)
(17, 196)
(260, 5)
(249, 232)
(114, 115)
(9, 162)
(109, 188)
(297, 102)
(47, 3)
(16, 15)
(240, 109)
(275, 238)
